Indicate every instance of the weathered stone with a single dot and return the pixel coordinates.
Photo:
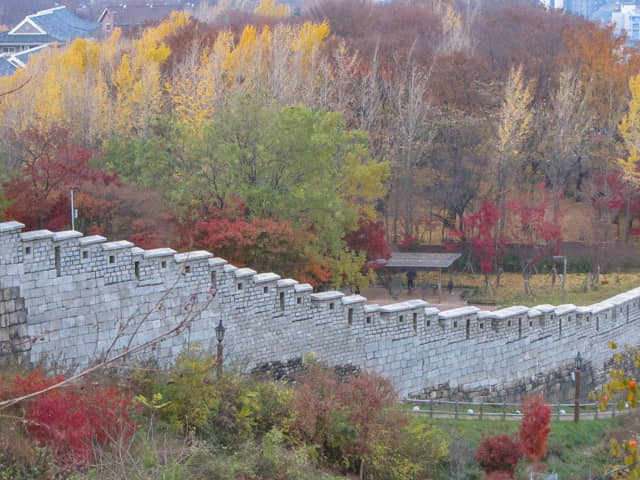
(73, 296)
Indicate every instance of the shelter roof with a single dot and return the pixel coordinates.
(421, 261)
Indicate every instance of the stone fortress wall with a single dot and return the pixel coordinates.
(67, 299)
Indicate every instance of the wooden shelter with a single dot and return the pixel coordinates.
(405, 261)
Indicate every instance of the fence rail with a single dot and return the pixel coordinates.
(506, 411)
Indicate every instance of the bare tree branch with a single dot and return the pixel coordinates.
(2, 94)
(129, 351)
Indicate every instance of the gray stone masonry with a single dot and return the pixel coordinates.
(69, 300)
(14, 340)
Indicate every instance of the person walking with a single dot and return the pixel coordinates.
(411, 278)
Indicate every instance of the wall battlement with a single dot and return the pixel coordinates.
(67, 298)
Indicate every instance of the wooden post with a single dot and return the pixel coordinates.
(456, 415)
(481, 408)
(431, 408)
(440, 286)
(219, 361)
(504, 410)
(576, 408)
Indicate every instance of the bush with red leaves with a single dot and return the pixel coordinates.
(70, 420)
(500, 453)
(498, 475)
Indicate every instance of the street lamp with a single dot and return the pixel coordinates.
(220, 336)
(576, 408)
(564, 276)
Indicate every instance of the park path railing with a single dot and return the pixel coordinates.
(506, 411)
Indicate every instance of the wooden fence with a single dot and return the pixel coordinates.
(507, 411)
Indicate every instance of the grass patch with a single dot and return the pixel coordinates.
(574, 450)
(511, 289)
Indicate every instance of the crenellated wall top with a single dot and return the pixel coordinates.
(71, 253)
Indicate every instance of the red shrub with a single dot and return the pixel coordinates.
(69, 420)
(497, 475)
(33, 381)
(498, 454)
(534, 431)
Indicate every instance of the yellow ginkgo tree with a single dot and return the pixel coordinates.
(629, 130)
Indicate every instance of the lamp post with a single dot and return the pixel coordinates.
(220, 336)
(576, 408)
(564, 275)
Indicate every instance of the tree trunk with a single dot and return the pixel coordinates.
(629, 218)
(526, 274)
(527, 285)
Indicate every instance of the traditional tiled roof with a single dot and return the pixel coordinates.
(56, 24)
(6, 39)
(22, 58)
(6, 67)
(61, 24)
(36, 31)
(131, 15)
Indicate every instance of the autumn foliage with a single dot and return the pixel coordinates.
(69, 421)
(499, 453)
(340, 130)
(47, 165)
(534, 430)
(480, 232)
(343, 418)
(370, 237)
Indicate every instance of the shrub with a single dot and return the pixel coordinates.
(534, 430)
(498, 453)
(31, 382)
(191, 392)
(415, 454)
(246, 409)
(498, 475)
(68, 421)
(356, 425)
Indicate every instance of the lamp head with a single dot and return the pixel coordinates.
(220, 332)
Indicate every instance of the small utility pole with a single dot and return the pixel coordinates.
(576, 408)
(73, 212)
(564, 276)
(564, 279)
